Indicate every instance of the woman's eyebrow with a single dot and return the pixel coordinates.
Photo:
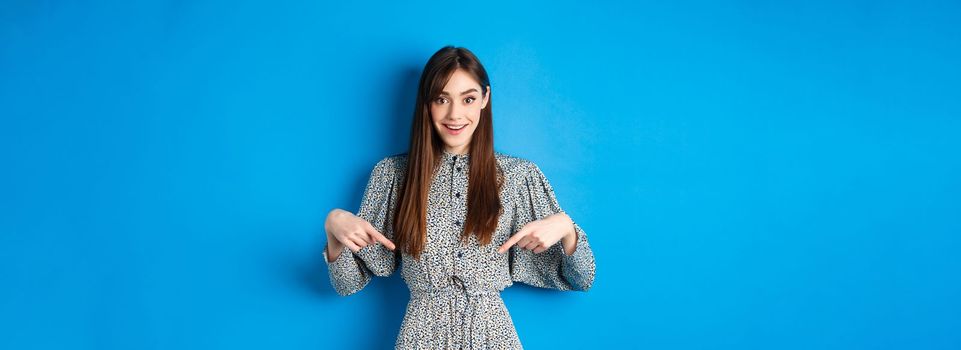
(463, 93)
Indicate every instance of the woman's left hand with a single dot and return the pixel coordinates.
(538, 235)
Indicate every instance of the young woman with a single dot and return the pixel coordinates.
(464, 222)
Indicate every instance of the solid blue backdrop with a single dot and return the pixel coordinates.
(752, 175)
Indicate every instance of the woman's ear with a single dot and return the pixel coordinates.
(487, 97)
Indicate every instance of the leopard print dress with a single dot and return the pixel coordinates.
(455, 288)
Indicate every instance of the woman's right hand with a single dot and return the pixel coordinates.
(344, 229)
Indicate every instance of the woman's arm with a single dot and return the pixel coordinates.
(548, 249)
(367, 235)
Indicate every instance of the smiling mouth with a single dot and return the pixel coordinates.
(455, 127)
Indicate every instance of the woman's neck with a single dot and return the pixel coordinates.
(460, 152)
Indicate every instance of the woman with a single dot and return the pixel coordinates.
(465, 221)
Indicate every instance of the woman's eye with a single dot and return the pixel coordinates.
(469, 99)
(440, 100)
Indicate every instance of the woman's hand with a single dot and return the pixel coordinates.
(344, 229)
(538, 235)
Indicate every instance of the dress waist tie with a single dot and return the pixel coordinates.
(454, 292)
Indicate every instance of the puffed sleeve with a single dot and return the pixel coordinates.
(350, 272)
(552, 268)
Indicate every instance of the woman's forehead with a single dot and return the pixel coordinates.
(459, 81)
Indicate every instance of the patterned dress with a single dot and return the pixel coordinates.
(455, 288)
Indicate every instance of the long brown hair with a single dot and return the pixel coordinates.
(426, 151)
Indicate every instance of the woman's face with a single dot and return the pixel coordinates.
(456, 111)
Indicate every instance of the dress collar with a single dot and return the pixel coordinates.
(449, 156)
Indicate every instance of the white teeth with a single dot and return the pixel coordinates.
(455, 128)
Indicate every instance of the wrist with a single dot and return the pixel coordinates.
(334, 249)
(569, 223)
(570, 238)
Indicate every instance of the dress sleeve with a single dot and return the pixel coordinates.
(351, 271)
(552, 268)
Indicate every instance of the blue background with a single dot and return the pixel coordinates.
(752, 175)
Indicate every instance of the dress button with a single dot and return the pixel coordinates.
(460, 254)
(457, 222)
(457, 194)
(458, 168)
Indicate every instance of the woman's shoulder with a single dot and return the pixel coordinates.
(514, 165)
(392, 163)
(511, 163)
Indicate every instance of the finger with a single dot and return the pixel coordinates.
(359, 242)
(370, 229)
(523, 242)
(383, 240)
(511, 241)
(531, 244)
(352, 246)
(540, 249)
(363, 236)
(344, 240)
(379, 237)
